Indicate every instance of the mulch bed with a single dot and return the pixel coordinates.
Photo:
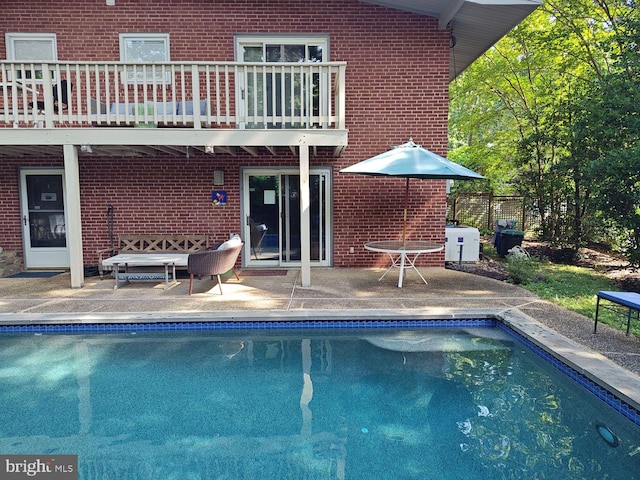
(485, 268)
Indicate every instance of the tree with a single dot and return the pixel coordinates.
(513, 110)
(607, 127)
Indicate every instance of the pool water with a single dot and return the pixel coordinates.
(469, 403)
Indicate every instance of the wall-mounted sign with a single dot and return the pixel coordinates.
(219, 197)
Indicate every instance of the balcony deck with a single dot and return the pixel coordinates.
(116, 108)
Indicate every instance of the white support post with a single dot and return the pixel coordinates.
(305, 217)
(72, 210)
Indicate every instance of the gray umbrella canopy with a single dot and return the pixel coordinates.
(411, 161)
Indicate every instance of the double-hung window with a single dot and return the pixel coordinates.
(291, 94)
(31, 48)
(145, 48)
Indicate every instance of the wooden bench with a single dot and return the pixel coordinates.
(152, 244)
(629, 300)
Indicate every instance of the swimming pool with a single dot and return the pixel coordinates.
(271, 401)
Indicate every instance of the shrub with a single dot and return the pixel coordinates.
(522, 268)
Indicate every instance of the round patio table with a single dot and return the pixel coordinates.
(403, 255)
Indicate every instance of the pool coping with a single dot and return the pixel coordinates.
(617, 380)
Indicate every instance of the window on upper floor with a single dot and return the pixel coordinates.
(145, 48)
(250, 48)
(31, 47)
(280, 94)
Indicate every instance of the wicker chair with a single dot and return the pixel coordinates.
(213, 262)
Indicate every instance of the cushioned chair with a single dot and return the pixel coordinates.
(213, 262)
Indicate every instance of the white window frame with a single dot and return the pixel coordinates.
(254, 40)
(128, 37)
(11, 38)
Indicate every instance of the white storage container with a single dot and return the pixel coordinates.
(467, 238)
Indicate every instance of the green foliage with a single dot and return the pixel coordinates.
(552, 111)
(610, 130)
(618, 185)
(607, 124)
(522, 269)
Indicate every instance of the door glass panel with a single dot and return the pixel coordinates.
(291, 208)
(264, 216)
(318, 217)
(33, 49)
(145, 48)
(291, 241)
(46, 211)
(315, 53)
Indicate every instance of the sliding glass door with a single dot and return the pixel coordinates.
(272, 217)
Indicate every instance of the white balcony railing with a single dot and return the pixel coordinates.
(173, 94)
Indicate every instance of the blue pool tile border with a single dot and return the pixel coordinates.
(609, 398)
(242, 325)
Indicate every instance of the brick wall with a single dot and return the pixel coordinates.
(167, 195)
(397, 88)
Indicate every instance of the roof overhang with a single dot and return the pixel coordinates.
(475, 24)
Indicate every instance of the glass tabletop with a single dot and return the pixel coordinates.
(408, 246)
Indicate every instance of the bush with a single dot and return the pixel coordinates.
(521, 267)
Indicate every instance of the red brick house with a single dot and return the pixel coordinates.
(207, 117)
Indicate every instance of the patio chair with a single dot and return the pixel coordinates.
(213, 262)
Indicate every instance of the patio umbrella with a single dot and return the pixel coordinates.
(411, 161)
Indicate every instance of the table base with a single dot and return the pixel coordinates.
(403, 261)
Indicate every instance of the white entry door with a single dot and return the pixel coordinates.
(44, 233)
